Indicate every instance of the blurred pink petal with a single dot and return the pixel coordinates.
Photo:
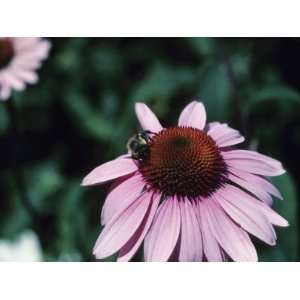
(23, 60)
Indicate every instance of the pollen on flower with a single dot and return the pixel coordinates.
(6, 51)
(185, 162)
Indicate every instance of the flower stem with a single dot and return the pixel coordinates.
(17, 171)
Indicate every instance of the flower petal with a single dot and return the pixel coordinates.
(234, 240)
(253, 155)
(243, 209)
(211, 248)
(121, 197)
(130, 248)
(193, 115)
(110, 170)
(258, 181)
(190, 238)
(254, 166)
(162, 237)
(253, 188)
(147, 118)
(121, 228)
(272, 215)
(225, 136)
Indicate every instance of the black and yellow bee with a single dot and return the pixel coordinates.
(138, 145)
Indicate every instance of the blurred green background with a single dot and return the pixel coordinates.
(81, 114)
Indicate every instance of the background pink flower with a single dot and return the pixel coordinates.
(19, 60)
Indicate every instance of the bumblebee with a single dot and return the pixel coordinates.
(138, 145)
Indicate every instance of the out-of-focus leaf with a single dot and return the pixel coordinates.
(159, 85)
(215, 92)
(279, 93)
(44, 180)
(288, 237)
(90, 121)
(204, 46)
(69, 229)
(241, 63)
(3, 119)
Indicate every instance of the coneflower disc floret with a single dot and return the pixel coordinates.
(183, 162)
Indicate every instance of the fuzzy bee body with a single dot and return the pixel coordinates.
(138, 146)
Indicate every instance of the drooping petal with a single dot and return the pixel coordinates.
(253, 188)
(122, 227)
(147, 118)
(193, 115)
(252, 155)
(121, 196)
(257, 181)
(162, 237)
(211, 247)
(190, 237)
(253, 166)
(110, 170)
(225, 136)
(273, 217)
(130, 248)
(243, 209)
(234, 240)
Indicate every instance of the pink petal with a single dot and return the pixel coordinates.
(122, 227)
(27, 76)
(211, 125)
(252, 155)
(253, 166)
(273, 216)
(5, 89)
(130, 248)
(162, 237)
(147, 118)
(257, 181)
(225, 136)
(110, 170)
(13, 81)
(243, 209)
(24, 43)
(193, 115)
(211, 248)
(190, 238)
(253, 188)
(234, 240)
(121, 197)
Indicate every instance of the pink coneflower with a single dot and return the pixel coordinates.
(19, 59)
(187, 193)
